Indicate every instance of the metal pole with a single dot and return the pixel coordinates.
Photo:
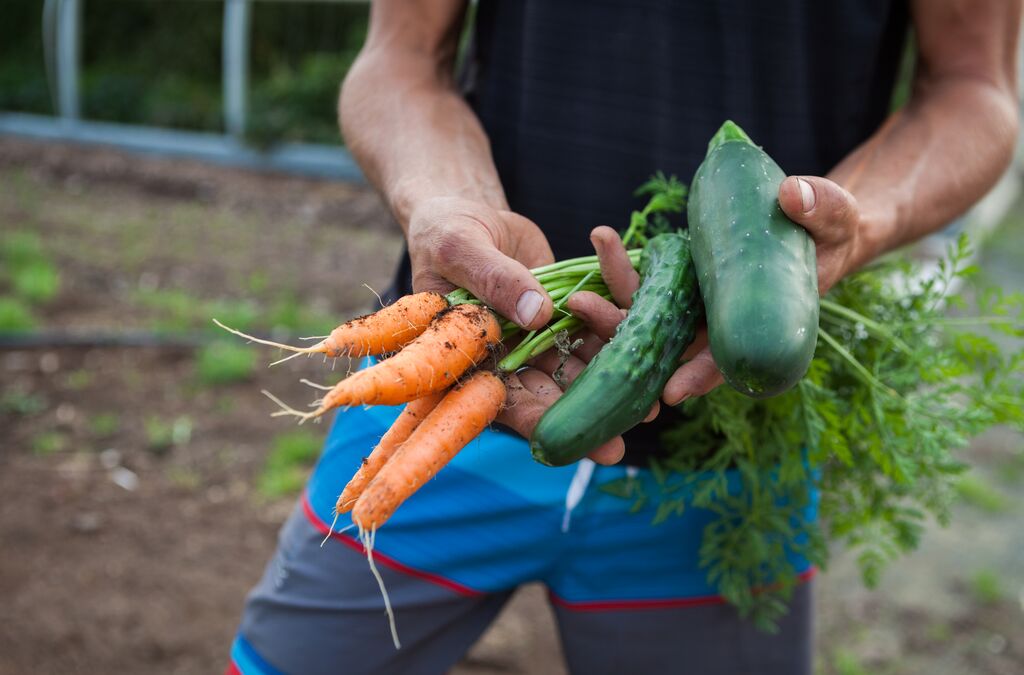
(69, 24)
(235, 57)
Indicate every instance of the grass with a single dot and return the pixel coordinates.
(986, 587)
(974, 490)
(291, 456)
(224, 363)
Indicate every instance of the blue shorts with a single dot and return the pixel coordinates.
(490, 521)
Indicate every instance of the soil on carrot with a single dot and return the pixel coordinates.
(143, 488)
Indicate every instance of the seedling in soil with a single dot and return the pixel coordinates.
(15, 316)
(48, 443)
(285, 470)
(224, 363)
(22, 403)
(104, 425)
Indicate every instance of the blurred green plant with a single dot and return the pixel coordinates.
(224, 363)
(28, 271)
(37, 282)
(49, 442)
(15, 316)
(22, 402)
(78, 380)
(847, 663)
(104, 425)
(975, 490)
(986, 587)
(162, 435)
(291, 455)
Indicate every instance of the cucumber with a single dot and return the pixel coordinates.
(618, 387)
(756, 268)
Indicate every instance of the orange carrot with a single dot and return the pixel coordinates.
(389, 443)
(460, 416)
(457, 340)
(386, 330)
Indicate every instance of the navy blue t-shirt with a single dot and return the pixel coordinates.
(584, 100)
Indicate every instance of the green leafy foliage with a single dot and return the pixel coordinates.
(897, 385)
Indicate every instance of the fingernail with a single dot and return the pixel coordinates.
(528, 305)
(806, 195)
(681, 401)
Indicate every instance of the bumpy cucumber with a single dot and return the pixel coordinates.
(757, 269)
(618, 387)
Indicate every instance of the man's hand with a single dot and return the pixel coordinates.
(459, 242)
(533, 390)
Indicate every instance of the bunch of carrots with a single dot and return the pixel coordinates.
(446, 361)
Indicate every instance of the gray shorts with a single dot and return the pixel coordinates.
(319, 610)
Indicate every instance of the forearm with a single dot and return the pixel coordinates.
(413, 134)
(929, 163)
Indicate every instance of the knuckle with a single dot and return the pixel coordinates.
(448, 248)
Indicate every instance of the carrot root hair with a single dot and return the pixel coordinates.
(287, 410)
(368, 539)
(314, 349)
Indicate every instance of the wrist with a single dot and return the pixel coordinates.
(876, 233)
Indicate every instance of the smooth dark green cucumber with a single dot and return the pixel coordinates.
(756, 268)
(618, 387)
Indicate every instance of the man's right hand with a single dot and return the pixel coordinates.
(459, 242)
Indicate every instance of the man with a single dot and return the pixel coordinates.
(564, 108)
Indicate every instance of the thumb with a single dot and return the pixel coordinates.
(501, 282)
(825, 208)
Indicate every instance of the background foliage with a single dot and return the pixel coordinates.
(159, 63)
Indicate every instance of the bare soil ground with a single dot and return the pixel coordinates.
(123, 552)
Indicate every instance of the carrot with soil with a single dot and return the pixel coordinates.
(415, 412)
(382, 332)
(460, 416)
(458, 339)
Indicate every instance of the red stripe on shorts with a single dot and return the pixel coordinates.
(354, 543)
(659, 603)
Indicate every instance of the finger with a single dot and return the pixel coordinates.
(700, 342)
(622, 280)
(550, 361)
(601, 316)
(589, 347)
(500, 281)
(655, 409)
(529, 394)
(610, 453)
(825, 208)
(696, 377)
